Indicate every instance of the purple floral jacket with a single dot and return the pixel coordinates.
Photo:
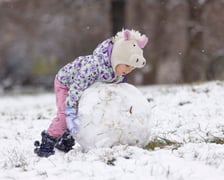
(85, 70)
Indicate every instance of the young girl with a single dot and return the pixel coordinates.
(110, 62)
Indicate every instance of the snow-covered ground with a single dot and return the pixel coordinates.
(186, 141)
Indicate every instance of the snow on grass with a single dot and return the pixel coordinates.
(192, 113)
(186, 141)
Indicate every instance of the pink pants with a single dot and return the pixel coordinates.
(58, 124)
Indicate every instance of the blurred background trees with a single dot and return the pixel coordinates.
(37, 37)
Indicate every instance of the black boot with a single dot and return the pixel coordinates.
(46, 147)
(66, 142)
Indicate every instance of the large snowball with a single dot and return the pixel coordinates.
(112, 114)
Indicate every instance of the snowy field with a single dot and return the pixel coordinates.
(186, 142)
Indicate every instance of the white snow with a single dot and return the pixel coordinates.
(189, 116)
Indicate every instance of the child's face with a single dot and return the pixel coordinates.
(123, 69)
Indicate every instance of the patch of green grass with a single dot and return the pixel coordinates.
(215, 140)
(162, 143)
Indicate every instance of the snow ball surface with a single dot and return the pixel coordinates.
(113, 114)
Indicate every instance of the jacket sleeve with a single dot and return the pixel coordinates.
(84, 78)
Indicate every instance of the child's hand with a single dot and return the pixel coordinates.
(71, 120)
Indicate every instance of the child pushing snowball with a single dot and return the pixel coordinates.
(110, 62)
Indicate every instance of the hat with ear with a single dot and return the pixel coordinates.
(128, 49)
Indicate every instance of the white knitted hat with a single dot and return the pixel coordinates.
(128, 49)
